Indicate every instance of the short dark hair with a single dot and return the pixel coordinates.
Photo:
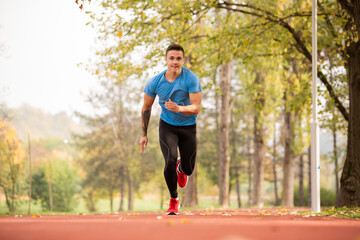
(176, 47)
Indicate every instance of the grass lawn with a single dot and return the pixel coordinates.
(343, 212)
(150, 203)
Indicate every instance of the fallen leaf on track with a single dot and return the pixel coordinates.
(133, 214)
(184, 220)
(189, 213)
(205, 214)
(170, 223)
(36, 216)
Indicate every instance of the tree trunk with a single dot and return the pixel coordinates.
(13, 197)
(50, 195)
(161, 196)
(111, 195)
(350, 178)
(12, 178)
(190, 196)
(289, 158)
(8, 204)
(236, 162)
(224, 161)
(238, 186)
(301, 180)
(217, 118)
(309, 176)
(259, 145)
(277, 201)
(90, 204)
(122, 189)
(259, 160)
(30, 174)
(130, 193)
(336, 162)
(249, 156)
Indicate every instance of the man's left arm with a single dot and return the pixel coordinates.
(193, 109)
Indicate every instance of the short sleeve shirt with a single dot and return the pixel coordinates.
(178, 91)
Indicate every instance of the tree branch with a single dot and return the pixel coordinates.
(239, 10)
(300, 45)
(331, 91)
(251, 7)
(347, 6)
(197, 20)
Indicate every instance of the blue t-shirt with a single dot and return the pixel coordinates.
(178, 91)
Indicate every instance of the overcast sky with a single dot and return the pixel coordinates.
(44, 40)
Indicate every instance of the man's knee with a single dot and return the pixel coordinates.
(188, 170)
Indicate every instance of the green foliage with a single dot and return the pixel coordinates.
(11, 163)
(269, 43)
(109, 154)
(327, 197)
(342, 212)
(64, 183)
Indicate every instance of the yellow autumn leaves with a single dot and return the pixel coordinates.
(9, 144)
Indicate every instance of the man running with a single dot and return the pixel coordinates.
(179, 94)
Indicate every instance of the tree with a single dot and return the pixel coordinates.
(148, 26)
(259, 141)
(224, 138)
(350, 178)
(296, 101)
(274, 168)
(349, 194)
(11, 162)
(55, 184)
(110, 160)
(238, 145)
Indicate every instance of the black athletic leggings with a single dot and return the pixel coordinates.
(172, 137)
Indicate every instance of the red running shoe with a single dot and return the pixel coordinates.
(174, 206)
(182, 177)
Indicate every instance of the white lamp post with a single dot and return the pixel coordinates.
(315, 152)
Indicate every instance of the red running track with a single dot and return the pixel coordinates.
(242, 224)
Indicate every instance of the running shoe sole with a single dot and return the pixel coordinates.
(172, 213)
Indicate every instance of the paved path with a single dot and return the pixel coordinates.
(243, 224)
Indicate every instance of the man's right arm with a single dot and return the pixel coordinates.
(145, 119)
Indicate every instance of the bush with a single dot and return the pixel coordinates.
(327, 197)
(64, 185)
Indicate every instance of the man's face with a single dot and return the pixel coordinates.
(174, 60)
